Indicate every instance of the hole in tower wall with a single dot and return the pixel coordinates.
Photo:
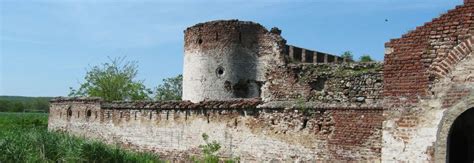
(199, 41)
(217, 36)
(78, 114)
(241, 89)
(220, 71)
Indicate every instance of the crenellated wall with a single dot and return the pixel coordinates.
(301, 55)
(243, 128)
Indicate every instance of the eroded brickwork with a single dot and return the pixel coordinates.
(245, 130)
(427, 74)
(409, 61)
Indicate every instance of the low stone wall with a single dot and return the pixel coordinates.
(245, 128)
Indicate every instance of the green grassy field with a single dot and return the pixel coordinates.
(24, 138)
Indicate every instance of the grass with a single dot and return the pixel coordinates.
(24, 138)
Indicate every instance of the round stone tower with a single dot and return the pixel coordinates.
(221, 60)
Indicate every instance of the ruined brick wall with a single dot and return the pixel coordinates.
(428, 73)
(244, 129)
(413, 63)
(410, 133)
(351, 83)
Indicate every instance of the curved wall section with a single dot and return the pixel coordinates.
(221, 61)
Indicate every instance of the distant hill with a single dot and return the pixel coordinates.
(24, 104)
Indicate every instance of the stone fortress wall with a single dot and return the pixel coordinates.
(264, 100)
(245, 128)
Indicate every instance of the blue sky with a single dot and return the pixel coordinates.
(47, 46)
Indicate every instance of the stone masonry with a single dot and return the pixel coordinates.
(264, 100)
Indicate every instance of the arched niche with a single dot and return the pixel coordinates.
(453, 119)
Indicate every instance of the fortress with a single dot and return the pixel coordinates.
(264, 100)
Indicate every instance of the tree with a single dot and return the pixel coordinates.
(171, 89)
(113, 81)
(348, 55)
(366, 58)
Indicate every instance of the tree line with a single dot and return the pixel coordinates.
(24, 104)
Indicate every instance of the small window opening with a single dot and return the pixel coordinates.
(305, 123)
(78, 114)
(69, 112)
(240, 37)
(220, 71)
(199, 41)
(89, 113)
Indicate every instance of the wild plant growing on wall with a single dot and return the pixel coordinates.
(210, 150)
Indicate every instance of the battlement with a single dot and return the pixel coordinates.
(301, 55)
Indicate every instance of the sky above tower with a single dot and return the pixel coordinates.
(46, 46)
